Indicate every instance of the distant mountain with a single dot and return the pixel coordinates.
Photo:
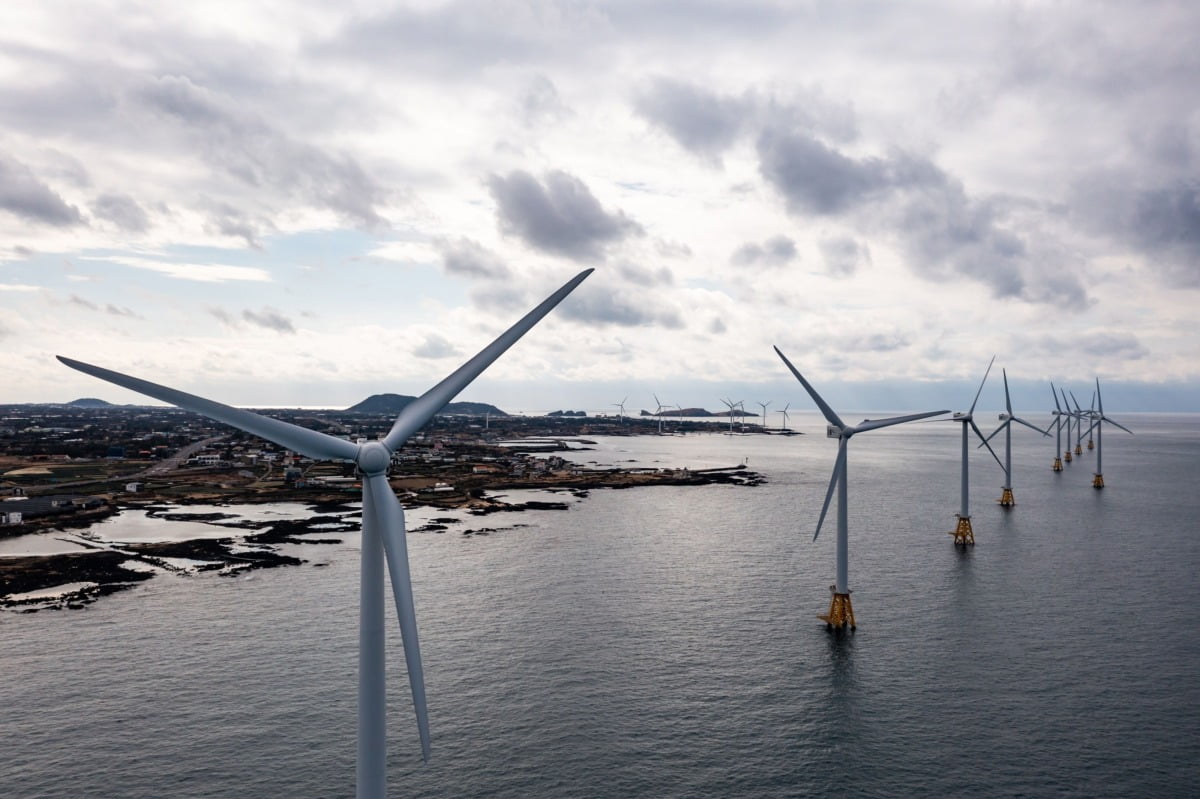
(90, 402)
(394, 403)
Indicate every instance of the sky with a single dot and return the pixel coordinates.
(304, 203)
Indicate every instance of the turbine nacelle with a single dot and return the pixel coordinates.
(833, 431)
(373, 458)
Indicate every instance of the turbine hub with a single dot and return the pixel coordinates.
(373, 458)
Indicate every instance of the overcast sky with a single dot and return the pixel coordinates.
(302, 203)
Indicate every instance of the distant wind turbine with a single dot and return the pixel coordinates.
(1098, 425)
(731, 405)
(658, 412)
(382, 525)
(621, 405)
(841, 612)
(764, 405)
(1080, 415)
(963, 533)
(1006, 420)
(1060, 419)
(1070, 415)
(784, 425)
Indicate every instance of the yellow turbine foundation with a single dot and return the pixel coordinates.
(1098, 481)
(1006, 499)
(1067, 456)
(1078, 450)
(1091, 444)
(962, 532)
(841, 612)
(1057, 465)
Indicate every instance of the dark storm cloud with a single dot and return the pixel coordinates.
(270, 319)
(775, 251)
(843, 255)
(463, 256)
(434, 346)
(22, 194)
(698, 120)
(561, 217)
(240, 143)
(122, 211)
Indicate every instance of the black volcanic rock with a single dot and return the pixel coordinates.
(394, 403)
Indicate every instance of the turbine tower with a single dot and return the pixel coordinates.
(1006, 420)
(382, 526)
(1058, 415)
(962, 532)
(1079, 415)
(621, 412)
(658, 412)
(784, 424)
(1098, 479)
(841, 612)
(764, 405)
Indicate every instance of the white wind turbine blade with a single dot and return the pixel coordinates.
(833, 481)
(1007, 399)
(979, 433)
(875, 424)
(981, 382)
(830, 416)
(1116, 424)
(1030, 426)
(1100, 407)
(381, 506)
(992, 434)
(299, 439)
(421, 410)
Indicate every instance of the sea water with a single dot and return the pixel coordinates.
(663, 642)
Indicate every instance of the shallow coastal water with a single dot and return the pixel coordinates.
(662, 642)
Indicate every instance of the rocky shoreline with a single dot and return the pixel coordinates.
(75, 579)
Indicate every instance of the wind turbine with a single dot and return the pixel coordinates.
(731, 405)
(658, 412)
(382, 525)
(764, 405)
(1058, 426)
(1098, 424)
(621, 405)
(1006, 420)
(963, 534)
(841, 612)
(1079, 426)
(784, 425)
(1070, 415)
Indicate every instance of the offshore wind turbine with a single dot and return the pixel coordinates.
(1098, 424)
(382, 525)
(1079, 416)
(731, 405)
(1059, 416)
(1006, 420)
(841, 612)
(962, 532)
(764, 405)
(784, 425)
(1070, 416)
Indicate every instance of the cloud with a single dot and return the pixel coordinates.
(113, 310)
(15, 287)
(561, 217)
(1103, 344)
(541, 103)
(75, 299)
(643, 276)
(434, 346)
(26, 197)
(270, 319)
(122, 211)
(700, 121)
(775, 251)
(203, 273)
(612, 308)
(941, 231)
(843, 255)
(237, 141)
(463, 256)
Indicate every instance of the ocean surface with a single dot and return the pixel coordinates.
(663, 642)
